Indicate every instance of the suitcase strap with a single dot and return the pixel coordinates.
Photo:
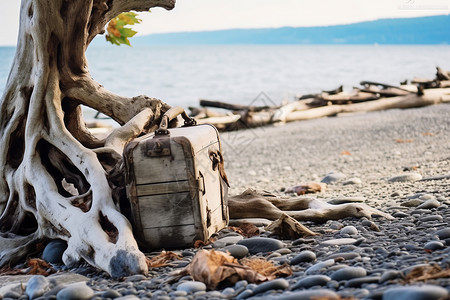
(171, 114)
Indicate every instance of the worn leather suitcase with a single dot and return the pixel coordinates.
(176, 184)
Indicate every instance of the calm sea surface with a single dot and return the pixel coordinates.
(181, 75)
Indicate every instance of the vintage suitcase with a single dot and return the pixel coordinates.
(176, 184)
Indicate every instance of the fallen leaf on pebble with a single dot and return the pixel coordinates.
(345, 152)
(424, 273)
(162, 259)
(287, 227)
(402, 141)
(215, 268)
(307, 188)
(246, 229)
(267, 268)
(200, 243)
(39, 267)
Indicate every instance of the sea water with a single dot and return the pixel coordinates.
(181, 75)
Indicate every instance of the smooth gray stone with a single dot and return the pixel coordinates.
(412, 203)
(135, 278)
(345, 255)
(389, 275)
(191, 286)
(400, 215)
(338, 242)
(357, 282)
(112, 294)
(423, 292)
(434, 245)
(308, 295)
(276, 284)
(333, 177)
(132, 297)
(429, 204)
(353, 180)
(336, 225)
(259, 244)
(54, 250)
(443, 234)
(342, 200)
(304, 256)
(237, 251)
(258, 222)
(37, 286)
(245, 294)
(350, 230)
(405, 177)
(432, 218)
(312, 280)
(320, 265)
(75, 291)
(348, 273)
(226, 241)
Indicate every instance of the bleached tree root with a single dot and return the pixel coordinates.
(254, 204)
(46, 146)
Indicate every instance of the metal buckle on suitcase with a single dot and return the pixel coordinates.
(176, 184)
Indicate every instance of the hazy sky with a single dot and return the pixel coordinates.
(196, 15)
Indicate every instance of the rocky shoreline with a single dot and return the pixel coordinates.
(397, 161)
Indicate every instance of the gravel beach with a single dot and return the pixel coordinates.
(397, 161)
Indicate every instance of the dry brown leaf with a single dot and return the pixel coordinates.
(308, 188)
(267, 268)
(200, 243)
(424, 273)
(402, 141)
(287, 227)
(216, 268)
(162, 259)
(246, 229)
(39, 267)
(427, 134)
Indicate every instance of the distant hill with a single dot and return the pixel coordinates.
(423, 30)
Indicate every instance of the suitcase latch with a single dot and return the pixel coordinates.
(158, 147)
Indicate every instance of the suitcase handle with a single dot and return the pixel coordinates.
(171, 114)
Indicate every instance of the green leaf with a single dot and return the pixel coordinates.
(118, 30)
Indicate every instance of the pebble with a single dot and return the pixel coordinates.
(406, 177)
(333, 177)
(191, 286)
(308, 295)
(237, 251)
(348, 273)
(304, 256)
(54, 250)
(357, 282)
(276, 284)
(260, 244)
(423, 292)
(412, 203)
(319, 266)
(312, 280)
(226, 241)
(350, 230)
(75, 291)
(37, 286)
(429, 204)
(389, 275)
(342, 200)
(400, 215)
(434, 245)
(111, 294)
(353, 180)
(443, 234)
(338, 242)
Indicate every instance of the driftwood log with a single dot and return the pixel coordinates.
(372, 96)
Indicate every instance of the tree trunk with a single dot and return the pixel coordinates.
(47, 148)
